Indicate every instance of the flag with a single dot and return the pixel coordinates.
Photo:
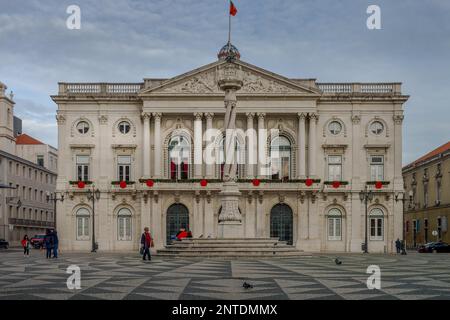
(233, 9)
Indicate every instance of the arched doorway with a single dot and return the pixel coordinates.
(281, 223)
(177, 218)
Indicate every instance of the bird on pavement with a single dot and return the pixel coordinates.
(337, 261)
(247, 285)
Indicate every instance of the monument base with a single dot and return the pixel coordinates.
(230, 230)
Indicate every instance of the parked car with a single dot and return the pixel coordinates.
(4, 244)
(434, 246)
(37, 241)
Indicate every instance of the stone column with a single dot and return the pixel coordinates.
(230, 219)
(313, 118)
(262, 145)
(146, 145)
(158, 149)
(301, 146)
(251, 147)
(198, 146)
(209, 146)
(398, 179)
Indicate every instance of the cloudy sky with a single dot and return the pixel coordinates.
(127, 40)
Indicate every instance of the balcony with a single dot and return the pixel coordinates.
(30, 223)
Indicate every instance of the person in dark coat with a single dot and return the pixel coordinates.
(48, 241)
(55, 244)
(398, 245)
(146, 244)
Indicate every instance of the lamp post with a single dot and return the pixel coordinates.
(54, 197)
(93, 194)
(366, 196)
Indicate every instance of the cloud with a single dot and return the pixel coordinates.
(129, 40)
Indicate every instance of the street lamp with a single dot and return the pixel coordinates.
(54, 197)
(366, 196)
(401, 197)
(93, 194)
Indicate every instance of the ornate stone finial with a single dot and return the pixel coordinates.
(229, 53)
(3, 88)
(11, 95)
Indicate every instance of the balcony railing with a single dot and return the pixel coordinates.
(30, 223)
(99, 88)
(372, 88)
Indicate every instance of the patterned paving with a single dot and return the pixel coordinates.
(125, 276)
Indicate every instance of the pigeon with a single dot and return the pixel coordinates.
(201, 236)
(247, 285)
(209, 236)
(337, 261)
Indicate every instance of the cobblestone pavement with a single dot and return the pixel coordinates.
(126, 276)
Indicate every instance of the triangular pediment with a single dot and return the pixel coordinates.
(204, 81)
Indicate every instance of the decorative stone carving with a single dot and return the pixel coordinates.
(103, 119)
(356, 119)
(398, 119)
(60, 119)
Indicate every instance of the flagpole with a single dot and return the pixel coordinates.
(229, 24)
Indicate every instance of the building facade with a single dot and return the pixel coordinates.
(25, 180)
(427, 202)
(140, 145)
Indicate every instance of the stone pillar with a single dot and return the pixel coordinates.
(209, 136)
(262, 146)
(398, 179)
(251, 147)
(146, 146)
(198, 141)
(313, 118)
(301, 174)
(158, 149)
(230, 219)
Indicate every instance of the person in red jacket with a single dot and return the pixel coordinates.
(26, 246)
(146, 244)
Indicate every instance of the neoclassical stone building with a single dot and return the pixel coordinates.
(326, 142)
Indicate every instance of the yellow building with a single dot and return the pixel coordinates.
(427, 198)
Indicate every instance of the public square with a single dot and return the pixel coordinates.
(316, 276)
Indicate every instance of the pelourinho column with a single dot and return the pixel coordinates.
(158, 150)
(230, 220)
(146, 145)
(313, 118)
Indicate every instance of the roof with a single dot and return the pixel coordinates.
(445, 147)
(24, 161)
(26, 139)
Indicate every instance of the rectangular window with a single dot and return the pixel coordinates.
(376, 228)
(377, 168)
(425, 229)
(124, 168)
(425, 195)
(335, 168)
(40, 160)
(334, 229)
(82, 168)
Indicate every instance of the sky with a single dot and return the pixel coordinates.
(128, 40)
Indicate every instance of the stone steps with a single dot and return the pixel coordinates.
(229, 248)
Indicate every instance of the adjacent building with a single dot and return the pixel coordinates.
(427, 199)
(28, 170)
(138, 146)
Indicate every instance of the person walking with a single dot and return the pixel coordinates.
(55, 244)
(26, 246)
(146, 244)
(398, 245)
(48, 240)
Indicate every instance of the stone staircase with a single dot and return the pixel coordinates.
(229, 248)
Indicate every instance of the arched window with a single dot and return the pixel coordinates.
(83, 224)
(280, 157)
(124, 224)
(179, 158)
(237, 158)
(376, 218)
(334, 224)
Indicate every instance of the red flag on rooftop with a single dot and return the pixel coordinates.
(233, 9)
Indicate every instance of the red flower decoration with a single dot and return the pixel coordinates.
(123, 184)
(204, 183)
(150, 183)
(378, 185)
(256, 182)
(336, 184)
(309, 182)
(81, 184)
